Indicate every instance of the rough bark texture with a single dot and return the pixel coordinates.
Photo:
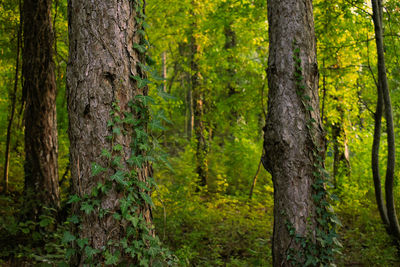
(41, 147)
(102, 60)
(287, 140)
(383, 89)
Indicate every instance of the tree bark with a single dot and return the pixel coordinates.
(41, 145)
(288, 142)
(102, 62)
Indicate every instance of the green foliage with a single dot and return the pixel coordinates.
(215, 231)
(216, 226)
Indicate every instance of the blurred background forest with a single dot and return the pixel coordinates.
(228, 222)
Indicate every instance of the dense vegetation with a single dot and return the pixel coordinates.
(219, 224)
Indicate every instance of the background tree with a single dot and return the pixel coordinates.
(388, 215)
(39, 88)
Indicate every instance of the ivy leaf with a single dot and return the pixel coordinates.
(73, 219)
(144, 262)
(87, 208)
(106, 153)
(117, 216)
(144, 67)
(140, 133)
(145, 99)
(140, 48)
(110, 258)
(70, 252)
(136, 161)
(82, 242)
(90, 252)
(147, 198)
(73, 199)
(156, 125)
(68, 237)
(119, 177)
(45, 221)
(118, 147)
(97, 169)
(116, 130)
(129, 119)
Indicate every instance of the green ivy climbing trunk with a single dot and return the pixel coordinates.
(39, 88)
(293, 137)
(107, 125)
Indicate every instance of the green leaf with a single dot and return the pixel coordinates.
(140, 48)
(145, 99)
(68, 237)
(140, 133)
(119, 177)
(90, 252)
(97, 169)
(70, 252)
(87, 208)
(118, 147)
(147, 198)
(73, 219)
(74, 199)
(82, 242)
(135, 161)
(105, 153)
(117, 216)
(45, 221)
(116, 130)
(111, 259)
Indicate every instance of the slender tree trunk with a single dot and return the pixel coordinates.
(102, 64)
(164, 70)
(384, 88)
(189, 113)
(199, 106)
(288, 143)
(341, 164)
(253, 184)
(375, 160)
(13, 104)
(230, 44)
(41, 147)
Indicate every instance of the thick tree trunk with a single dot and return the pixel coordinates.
(99, 75)
(41, 146)
(288, 142)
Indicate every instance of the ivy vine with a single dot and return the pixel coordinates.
(321, 244)
(140, 244)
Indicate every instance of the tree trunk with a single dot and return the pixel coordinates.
(384, 90)
(199, 105)
(41, 146)
(104, 77)
(13, 104)
(288, 142)
(341, 163)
